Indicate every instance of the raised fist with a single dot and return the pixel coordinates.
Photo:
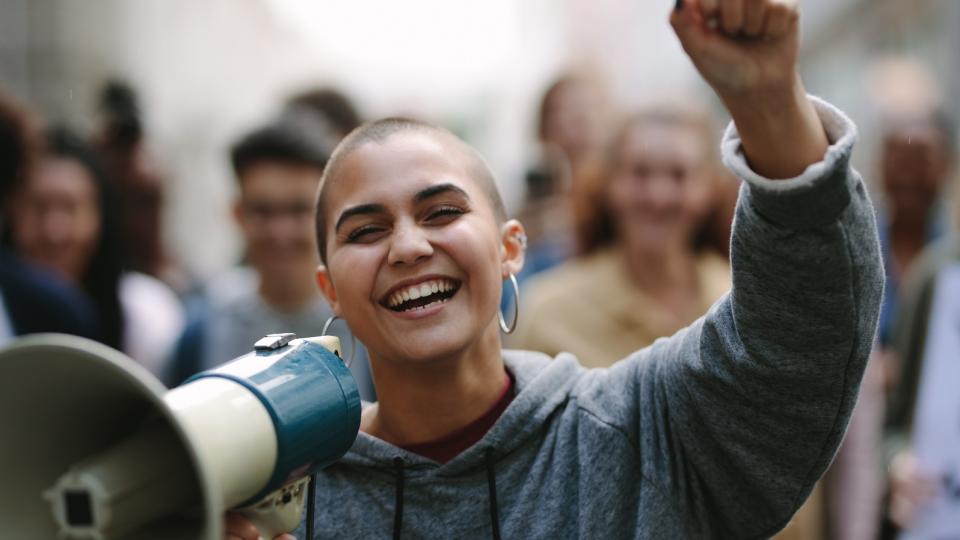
(740, 46)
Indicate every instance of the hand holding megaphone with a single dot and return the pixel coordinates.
(103, 451)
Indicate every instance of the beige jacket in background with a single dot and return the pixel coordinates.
(590, 308)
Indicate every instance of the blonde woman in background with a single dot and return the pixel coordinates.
(646, 270)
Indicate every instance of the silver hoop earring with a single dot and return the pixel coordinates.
(516, 308)
(353, 338)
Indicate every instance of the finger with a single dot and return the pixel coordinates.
(240, 527)
(731, 16)
(781, 17)
(285, 537)
(710, 9)
(754, 17)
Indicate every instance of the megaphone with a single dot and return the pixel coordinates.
(93, 447)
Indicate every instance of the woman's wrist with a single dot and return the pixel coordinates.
(779, 128)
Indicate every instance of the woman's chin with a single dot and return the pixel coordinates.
(430, 347)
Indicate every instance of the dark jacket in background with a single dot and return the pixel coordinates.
(36, 301)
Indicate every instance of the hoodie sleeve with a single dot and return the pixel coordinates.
(738, 415)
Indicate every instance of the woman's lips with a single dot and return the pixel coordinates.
(420, 296)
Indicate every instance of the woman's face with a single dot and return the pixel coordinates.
(661, 187)
(415, 260)
(56, 219)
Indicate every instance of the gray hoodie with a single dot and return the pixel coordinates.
(719, 431)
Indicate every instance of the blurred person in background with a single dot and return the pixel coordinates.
(65, 217)
(570, 127)
(139, 184)
(32, 299)
(278, 169)
(921, 440)
(916, 159)
(644, 272)
(332, 105)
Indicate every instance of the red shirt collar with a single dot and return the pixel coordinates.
(450, 446)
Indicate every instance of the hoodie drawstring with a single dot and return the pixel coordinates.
(492, 485)
(492, 491)
(398, 508)
(311, 504)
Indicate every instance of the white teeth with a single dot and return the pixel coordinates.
(419, 291)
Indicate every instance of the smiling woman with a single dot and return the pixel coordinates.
(718, 431)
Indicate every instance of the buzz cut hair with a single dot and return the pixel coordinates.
(378, 131)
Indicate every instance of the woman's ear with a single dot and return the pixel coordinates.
(513, 247)
(326, 287)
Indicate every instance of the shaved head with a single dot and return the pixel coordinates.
(377, 132)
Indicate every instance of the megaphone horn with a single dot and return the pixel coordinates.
(96, 448)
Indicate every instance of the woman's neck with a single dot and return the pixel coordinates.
(670, 279)
(669, 269)
(907, 240)
(288, 295)
(423, 402)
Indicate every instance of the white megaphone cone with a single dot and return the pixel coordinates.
(93, 447)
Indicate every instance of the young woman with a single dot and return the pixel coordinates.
(719, 431)
(643, 272)
(65, 219)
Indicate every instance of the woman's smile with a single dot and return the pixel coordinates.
(420, 297)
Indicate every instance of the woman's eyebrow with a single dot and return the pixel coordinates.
(358, 210)
(439, 189)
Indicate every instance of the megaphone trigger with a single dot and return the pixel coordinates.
(280, 511)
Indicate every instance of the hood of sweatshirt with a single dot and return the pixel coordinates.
(542, 386)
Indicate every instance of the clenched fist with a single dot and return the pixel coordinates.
(747, 51)
(740, 45)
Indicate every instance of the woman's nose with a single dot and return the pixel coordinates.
(408, 244)
(663, 191)
(57, 228)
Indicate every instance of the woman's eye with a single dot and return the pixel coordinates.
(364, 233)
(444, 214)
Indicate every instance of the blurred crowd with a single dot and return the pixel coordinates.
(628, 217)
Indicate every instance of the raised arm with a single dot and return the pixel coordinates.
(736, 417)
